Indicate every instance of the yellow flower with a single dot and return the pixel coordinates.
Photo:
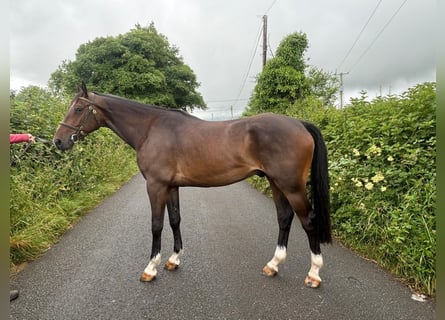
(369, 186)
(378, 177)
(383, 189)
(357, 182)
(355, 152)
(373, 150)
(390, 159)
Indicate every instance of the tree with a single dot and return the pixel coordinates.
(139, 65)
(285, 80)
(323, 85)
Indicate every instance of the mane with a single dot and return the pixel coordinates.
(143, 105)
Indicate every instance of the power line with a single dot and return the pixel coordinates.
(225, 100)
(270, 49)
(260, 31)
(378, 35)
(359, 35)
(250, 64)
(270, 7)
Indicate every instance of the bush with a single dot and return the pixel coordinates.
(49, 189)
(383, 178)
(383, 181)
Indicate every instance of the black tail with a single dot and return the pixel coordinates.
(320, 185)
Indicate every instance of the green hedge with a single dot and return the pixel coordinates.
(384, 182)
(50, 189)
(383, 178)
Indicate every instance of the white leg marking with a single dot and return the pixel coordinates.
(174, 258)
(316, 264)
(151, 268)
(279, 256)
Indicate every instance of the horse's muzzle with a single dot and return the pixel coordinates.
(63, 145)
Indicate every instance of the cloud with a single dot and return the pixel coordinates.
(217, 38)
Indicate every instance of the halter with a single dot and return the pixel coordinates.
(79, 133)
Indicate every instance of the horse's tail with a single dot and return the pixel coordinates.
(320, 186)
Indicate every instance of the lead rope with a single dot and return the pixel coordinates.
(26, 148)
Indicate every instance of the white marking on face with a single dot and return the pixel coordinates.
(316, 264)
(151, 267)
(279, 257)
(72, 105)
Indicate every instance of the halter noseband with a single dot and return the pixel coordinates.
(79, 133)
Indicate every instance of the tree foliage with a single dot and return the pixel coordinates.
(382, 167)
(139, 65)
(286, 79)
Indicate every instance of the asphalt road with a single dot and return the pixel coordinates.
(229, 234)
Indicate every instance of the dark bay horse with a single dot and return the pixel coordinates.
(175, 149)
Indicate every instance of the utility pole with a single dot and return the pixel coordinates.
(264, 39)
(341, 88)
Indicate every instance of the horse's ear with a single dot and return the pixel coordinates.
(82, 89)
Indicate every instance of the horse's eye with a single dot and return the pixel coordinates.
(78, 109)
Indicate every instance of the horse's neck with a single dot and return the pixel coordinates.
(121, 133)
(130, 122)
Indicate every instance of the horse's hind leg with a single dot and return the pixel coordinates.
(175, 220)
(305, 213)
(285, 215)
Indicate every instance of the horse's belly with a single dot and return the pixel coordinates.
(213, 178)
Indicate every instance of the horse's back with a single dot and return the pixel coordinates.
(270, 128)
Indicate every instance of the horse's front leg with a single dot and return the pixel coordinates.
(158, 195)
(175, 220)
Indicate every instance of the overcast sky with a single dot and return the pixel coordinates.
(217, 39)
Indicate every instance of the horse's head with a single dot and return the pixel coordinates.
(80, 119)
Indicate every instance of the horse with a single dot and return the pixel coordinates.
(175, 149)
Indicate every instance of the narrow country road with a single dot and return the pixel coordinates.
(229, 234)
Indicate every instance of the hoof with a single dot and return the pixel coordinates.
(146, 277)
(269, 271)
(170, 266)
(311, 282)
